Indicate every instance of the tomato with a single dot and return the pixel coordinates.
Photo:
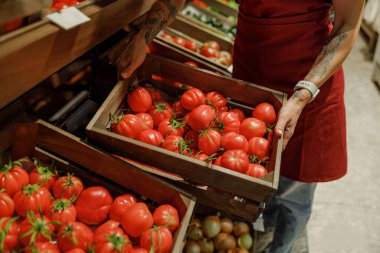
(93, 205)
(216, 99)
(179, 111)
(225, 58)
(151, 137)
(251, 127)
(8, 234)
(259, 147)
(146, 119)
(139, 250)
(155, 94)
(43, 247)
(157, 240)
(209, 52)
(227, 122)
(171, 126)
(213, 44)
(13, 178)
(234, 140)
(201, 117)
(110, 238)
(35, 229)
(139, 100)
(137, 219)
(7, 205)
(191, 45)
(166, 37)
(128, 125)
(176, 144)
(239, 113)
(41, 174)
(270, 137)
(265, 112)
(76, 250)
(203, 157)
(217, 161)
(236, 160)
(67, 187)
(166, 216)
(191, 63)
(74, 235)
(120, 206)
(209, 141)
(32, 198)
(192, 138)
(192, 98)
(256, 170)
(61, 210)
(179, 41)
(148, 50)
(160, 111)
(106, 227)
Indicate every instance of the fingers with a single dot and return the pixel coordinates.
(280, 126)
(287, 135)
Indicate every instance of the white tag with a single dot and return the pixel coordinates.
(230, 68)
(259, 224)
(68, 18)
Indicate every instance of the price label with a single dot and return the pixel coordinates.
(68, 18)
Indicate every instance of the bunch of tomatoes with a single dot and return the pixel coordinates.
(201, 126)
(60, 4)
(42, 212)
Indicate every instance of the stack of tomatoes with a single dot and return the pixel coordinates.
(42, 212)
(201, 126)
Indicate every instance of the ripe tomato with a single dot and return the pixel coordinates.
(74, 235)
(7, 206)
(213, 44)
(106, 227)
(216, 99)
(32, 198)
(209, 141)
(139, 100)
(41, 174)
(227, 122)
(209, 52)
(128, 125)
(61, 210)
(192, 98)
(256, 170)
(236, 160)
(225, 58)
(151, 137)
(217, 161)
(251, 127)
(76, 250)
(13, 178)
(175, 143)
(43, 247)
(265, 112)
(203, 157)
(191, 45)
(146, 119)
(239, 113)
(157, 240)
(120, 206)
(160, 111)
(109, 238)
(35, 229)
(234, 140)
(259, 147)
(8, 234)
(67, 187)
(137, 219)
(201, 117)
(179, 111)
(155, 94)
(166, 37)
(171, 126)
(191, 63)
(191, 137)
(139, 250)
(166, 216)
(93, 205)
(179, 41)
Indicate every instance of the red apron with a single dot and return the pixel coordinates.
(276, 44)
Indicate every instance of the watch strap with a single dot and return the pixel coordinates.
(311, 87)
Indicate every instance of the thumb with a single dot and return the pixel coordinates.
(126, 73)
(280, 126)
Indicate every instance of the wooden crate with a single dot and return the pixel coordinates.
(219, 181)
(94, 167)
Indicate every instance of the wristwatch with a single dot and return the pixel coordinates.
(311, 87)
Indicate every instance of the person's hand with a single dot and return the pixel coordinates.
(289, 114)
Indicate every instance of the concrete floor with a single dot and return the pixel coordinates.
(344, 218)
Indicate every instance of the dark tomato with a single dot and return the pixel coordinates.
(32, 198)
(155, 94)
(120, 206)
(178, 109)
(216, 99)
(8, 234)
(139, 100)
(160, 111)
(179, 41)
(128, 125)
(166, 216)
(209, 52)
(137, 219)
(110, 238)
(191, 136)
(256, 170)
(209, 141)
(157, 240)
(227, 122)
(251, 127)
(146, 119)
(236, 160)
(171, 126)
(234, 140)
(259, 147)
(192, 98)
(213, 44)
(239, 113)
(201, 117)
(151, 137)
(191, 45)
(67, 187)
(7, 205)
(265, 112)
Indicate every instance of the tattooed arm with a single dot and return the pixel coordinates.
(348, 15)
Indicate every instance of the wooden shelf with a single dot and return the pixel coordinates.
(31, 54)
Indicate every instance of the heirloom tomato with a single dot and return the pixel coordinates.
(191, 137)
(259, 147)
(76, 250)
(8, 234)
(42, 175)
(128, 125)
(209, 52)
(225, 58)
(67, 187)
(191, 45)
(151, 137)
(201, 117)
(227, 122)
(192, 98)
(146, 120)
(265, 112)
(179, 41)
(176, 144)
(160, 111)
(217, 161)
(216, 99)
(251, 127)
(137, 219)
(32, 198)
(209, 141)
(61, 210)
(256, 170)
(171, 126)
(203, 157)
(166, 36)
(107, 227)
(239, 113)
(120, 206)
(139, 100)
(234, 140)
(236, 160)
(213, 44)
(155, 94)
(166, 216)
(7, 205)
(178, 109)
(157, 240)
(74, 235)
(110, 238)
(35, 229)
(43, 247)
(13, 177)
(139, 250)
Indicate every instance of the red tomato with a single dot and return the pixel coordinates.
(93, 205)
(155, 94)
(76, 250)
(139, 100)
(110, 238)
(13, 178)
(128, 125)
(191, 45)
(8, 234)
(236, 160)
(151, 137)
(201, 117)
(209, 141)
(225, 58)
(176, 144)
(171, 126)
(157, 240)
(166, 216)
(74, 235)
(179, 111)
(265, 112)
(137, 219)
(146, 119)
(213, 44)
(239, 113)
(179, 41)
(227, 122)
(35, 229)
(7, 206)
(148, 50)
(191, 63)
(251, 127)
(166, 37)
(256, 170)
(209, 52)
(234, 140)
(216, 99)
(259, 147)
(32, 198)
(139, 250)
(41, 174)
(106, 227)
(192, 98)
(191, 137)
(217, 161)
(43, 247)
(222, 109)
(160, 111)
(61, 210)
(203, 157)
(67, 187)
(120, 206)
(270, 137)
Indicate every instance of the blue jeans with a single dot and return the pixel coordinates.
(288, 212)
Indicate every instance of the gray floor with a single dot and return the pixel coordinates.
(344, 218)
